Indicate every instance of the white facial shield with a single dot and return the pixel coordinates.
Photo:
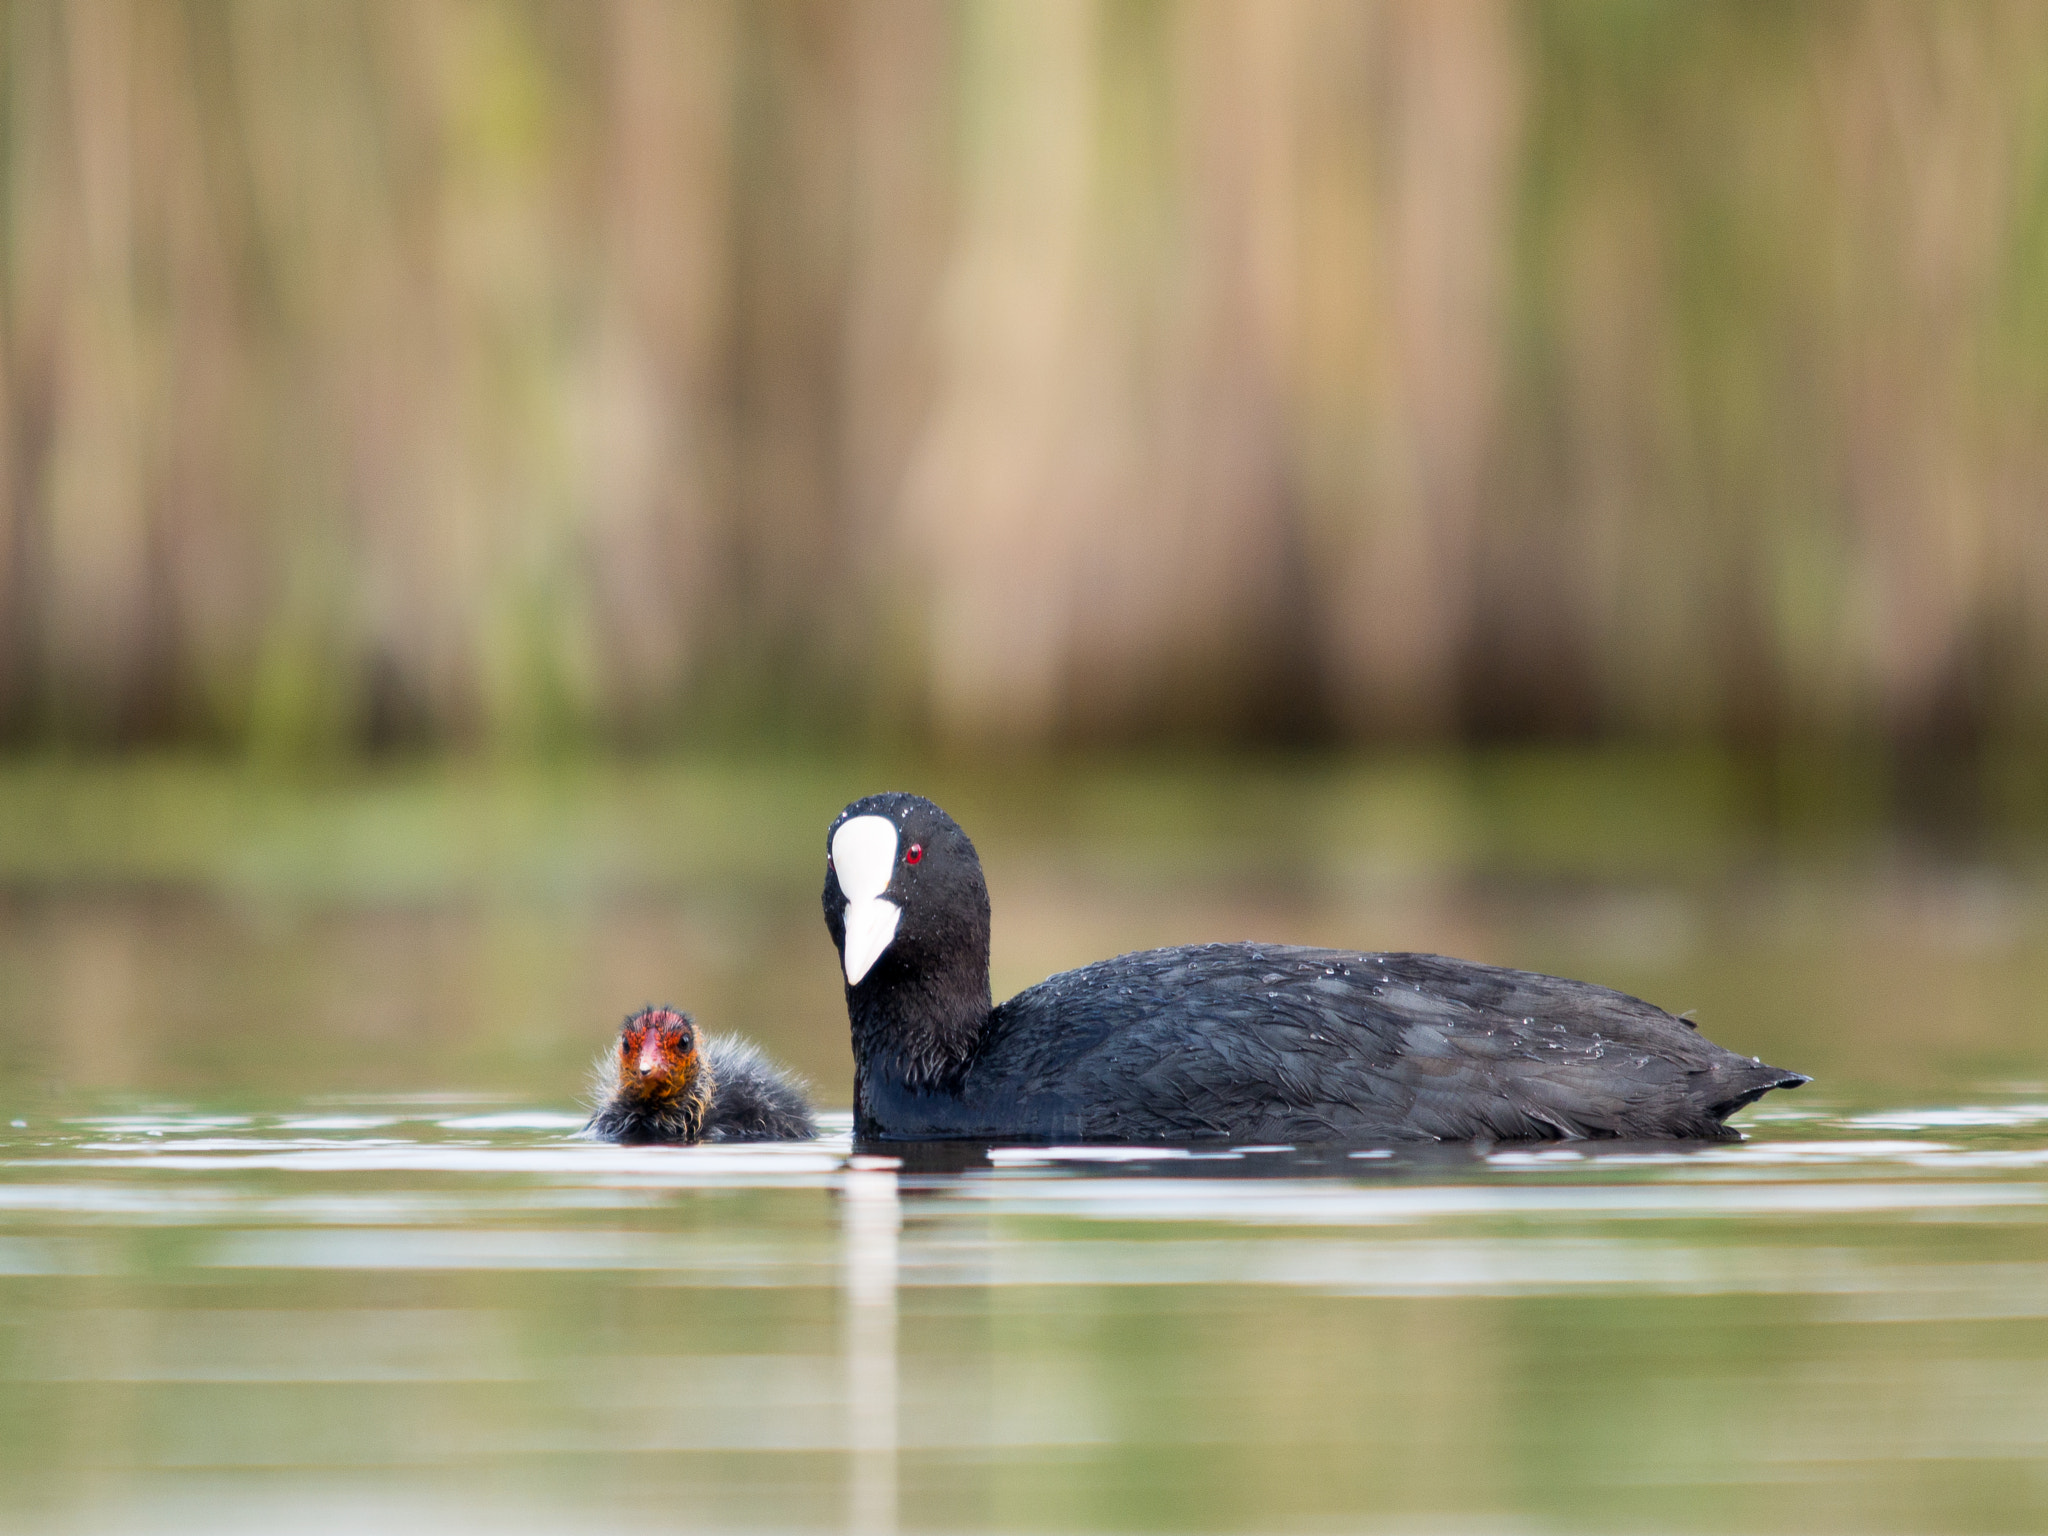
(863, 861)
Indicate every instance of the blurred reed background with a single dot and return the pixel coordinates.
(1017, 373)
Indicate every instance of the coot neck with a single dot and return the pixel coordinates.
(696, 1105)
(642, 1120)
(919, 1025)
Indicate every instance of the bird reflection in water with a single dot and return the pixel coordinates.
(871, 1214)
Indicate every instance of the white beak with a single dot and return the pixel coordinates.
(870, 925)
(864, 860)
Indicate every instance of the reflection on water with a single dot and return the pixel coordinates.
(259, 1272)
(872, 1217)
(448, 1316)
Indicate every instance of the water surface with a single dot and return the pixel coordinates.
(294, 1233)
(430, 1314)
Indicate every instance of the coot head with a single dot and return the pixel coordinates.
(908, 911)
(661, 1073)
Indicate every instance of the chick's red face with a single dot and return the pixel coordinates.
(657, 1053)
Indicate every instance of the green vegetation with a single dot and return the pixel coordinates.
(448, 830)
(551, 377)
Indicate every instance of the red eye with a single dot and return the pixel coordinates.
(916, 852)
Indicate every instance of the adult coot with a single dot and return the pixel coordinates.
(664, 1081)
(1249, 1041)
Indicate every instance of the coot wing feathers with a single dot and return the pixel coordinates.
(1287, 1044)
(754, 1100)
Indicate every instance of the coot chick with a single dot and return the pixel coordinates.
(1242, 1041)
(665, 1081)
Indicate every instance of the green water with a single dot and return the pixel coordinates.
(440, 1317)
(294, 1234)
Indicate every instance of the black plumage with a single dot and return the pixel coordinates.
(663, 1081)
(1241, 1041)
(752, 1099)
